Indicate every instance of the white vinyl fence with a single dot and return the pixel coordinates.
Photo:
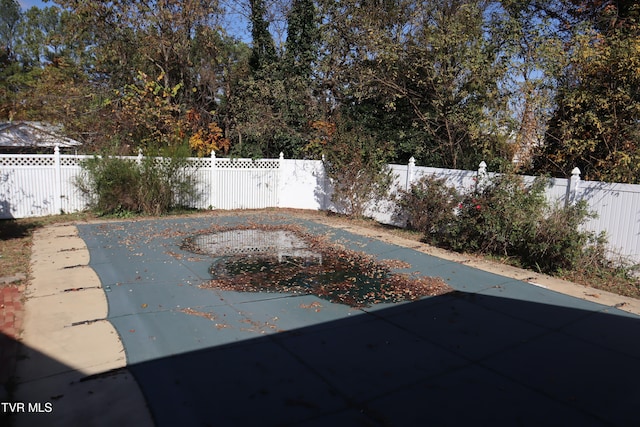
(39, 185)
(34, 185)
(617, 206)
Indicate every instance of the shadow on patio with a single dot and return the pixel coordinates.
(457, 359)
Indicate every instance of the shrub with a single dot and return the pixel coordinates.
(116, 186)
(557, 242)
(358, 170)
(498, 218)
(428, 206)
(165, 184)
(108, 184)
(507, 218)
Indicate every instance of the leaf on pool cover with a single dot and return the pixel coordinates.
(204, 314)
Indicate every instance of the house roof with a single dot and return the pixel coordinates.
(33, 134)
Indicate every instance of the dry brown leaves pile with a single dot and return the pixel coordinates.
(344, 276)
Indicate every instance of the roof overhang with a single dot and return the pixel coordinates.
(33, 134)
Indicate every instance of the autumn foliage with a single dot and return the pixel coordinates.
(206, 135)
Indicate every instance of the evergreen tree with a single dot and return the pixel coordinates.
(263, 52)
(10, 16)
(303, 36)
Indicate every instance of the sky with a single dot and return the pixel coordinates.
(27, 4)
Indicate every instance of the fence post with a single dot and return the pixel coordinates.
(574, 187)
(410, 172)
(481, 177)
(324, 204)
(280, 178)
(57, 201)
(139, 159)
(212, 181)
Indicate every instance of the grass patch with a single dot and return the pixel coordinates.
(16, 238)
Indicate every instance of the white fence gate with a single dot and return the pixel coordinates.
(244, 183)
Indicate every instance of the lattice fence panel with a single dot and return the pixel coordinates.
(199, 163)
(247, 164)
(70, 161)
(41, 160)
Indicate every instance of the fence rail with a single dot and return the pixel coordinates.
(34, 185)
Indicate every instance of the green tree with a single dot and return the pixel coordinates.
(274, 103)
(595, 123)
(357, 165)
(301, 53)
(10, 16)
(437, 59)
(178, 40)
(174, 44)
(303, 35)
(46, 79)
(255, 107)
(254, 116)
(533, 45)
(263, 51)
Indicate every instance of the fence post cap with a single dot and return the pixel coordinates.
(576, 172)
(482, 168)
(281, 155)
(412, 160)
